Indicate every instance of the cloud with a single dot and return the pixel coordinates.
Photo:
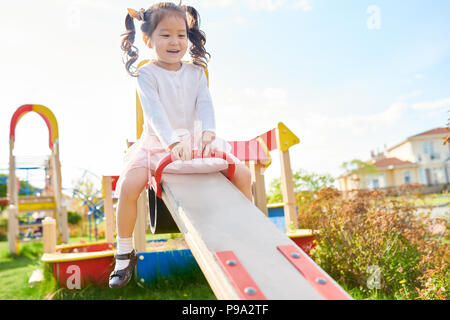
(268, 96)
(211, 3)
(361, 123)
(303, 4)
(409, 95)
(432, 105)
(267, 5)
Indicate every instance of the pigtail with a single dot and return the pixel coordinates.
(197, 37)
(131, 53)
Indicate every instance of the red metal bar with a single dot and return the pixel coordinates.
(313, 274)
(239, 277)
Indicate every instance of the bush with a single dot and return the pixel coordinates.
(371, 241)
(73, 217)
(3, 229)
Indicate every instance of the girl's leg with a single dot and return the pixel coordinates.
(132, 186)
(242, 179)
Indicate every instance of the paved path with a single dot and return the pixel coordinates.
(441, 211)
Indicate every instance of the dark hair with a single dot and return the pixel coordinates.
(150, 19)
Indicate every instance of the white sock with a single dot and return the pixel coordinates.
(124, 245)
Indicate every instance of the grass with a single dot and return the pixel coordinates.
(15, 272)
(359, 294)
(433, 199)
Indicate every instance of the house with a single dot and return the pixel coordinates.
(421, 158)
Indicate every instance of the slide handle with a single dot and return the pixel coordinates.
(156, 179)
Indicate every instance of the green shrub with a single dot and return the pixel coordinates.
(3, 229)
(73, 217)
(372, 242)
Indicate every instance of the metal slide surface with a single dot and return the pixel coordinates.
(216, 218)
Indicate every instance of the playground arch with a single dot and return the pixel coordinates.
(44, 112)
(17, 204)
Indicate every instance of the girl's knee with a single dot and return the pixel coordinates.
(243, 175)
(247, 174)
(131, 188)
(128, 194)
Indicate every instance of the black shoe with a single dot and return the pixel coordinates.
(119, 278)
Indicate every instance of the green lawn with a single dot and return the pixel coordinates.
(434, 199)
(15, 272)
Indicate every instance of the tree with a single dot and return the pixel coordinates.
(447, 137)
(359, 167)
(303, 181)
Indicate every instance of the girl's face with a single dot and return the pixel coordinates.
(169, 41)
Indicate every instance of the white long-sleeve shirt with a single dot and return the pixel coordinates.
(174, 100)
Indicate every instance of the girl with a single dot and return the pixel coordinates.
(175, 99)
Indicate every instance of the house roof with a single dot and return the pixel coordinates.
(394, 162)
(431, 132)
(386, 163)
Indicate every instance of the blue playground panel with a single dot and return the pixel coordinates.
(276, 215)
(161, 264)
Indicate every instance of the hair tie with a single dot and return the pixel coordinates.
(140, 15)
(182, 6)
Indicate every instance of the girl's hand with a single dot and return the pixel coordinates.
(207, 138)
(181, 150)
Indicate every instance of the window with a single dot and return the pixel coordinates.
(407, 176)
(376, 184)
(428, 147)
(434, 156)
(422, 176)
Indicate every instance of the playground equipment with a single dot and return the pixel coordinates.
(304, 238)
(95, 215)
(3, 181)
(76, 265)
(29, 223)
(235, 244)
(94, 212)
(51, 199)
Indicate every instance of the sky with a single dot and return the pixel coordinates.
(346, 77)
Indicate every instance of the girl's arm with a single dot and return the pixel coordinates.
(204, 106)
(153, 109)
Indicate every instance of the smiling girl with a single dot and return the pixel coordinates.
(175, 97)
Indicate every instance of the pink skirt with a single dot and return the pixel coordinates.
(147, 152)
